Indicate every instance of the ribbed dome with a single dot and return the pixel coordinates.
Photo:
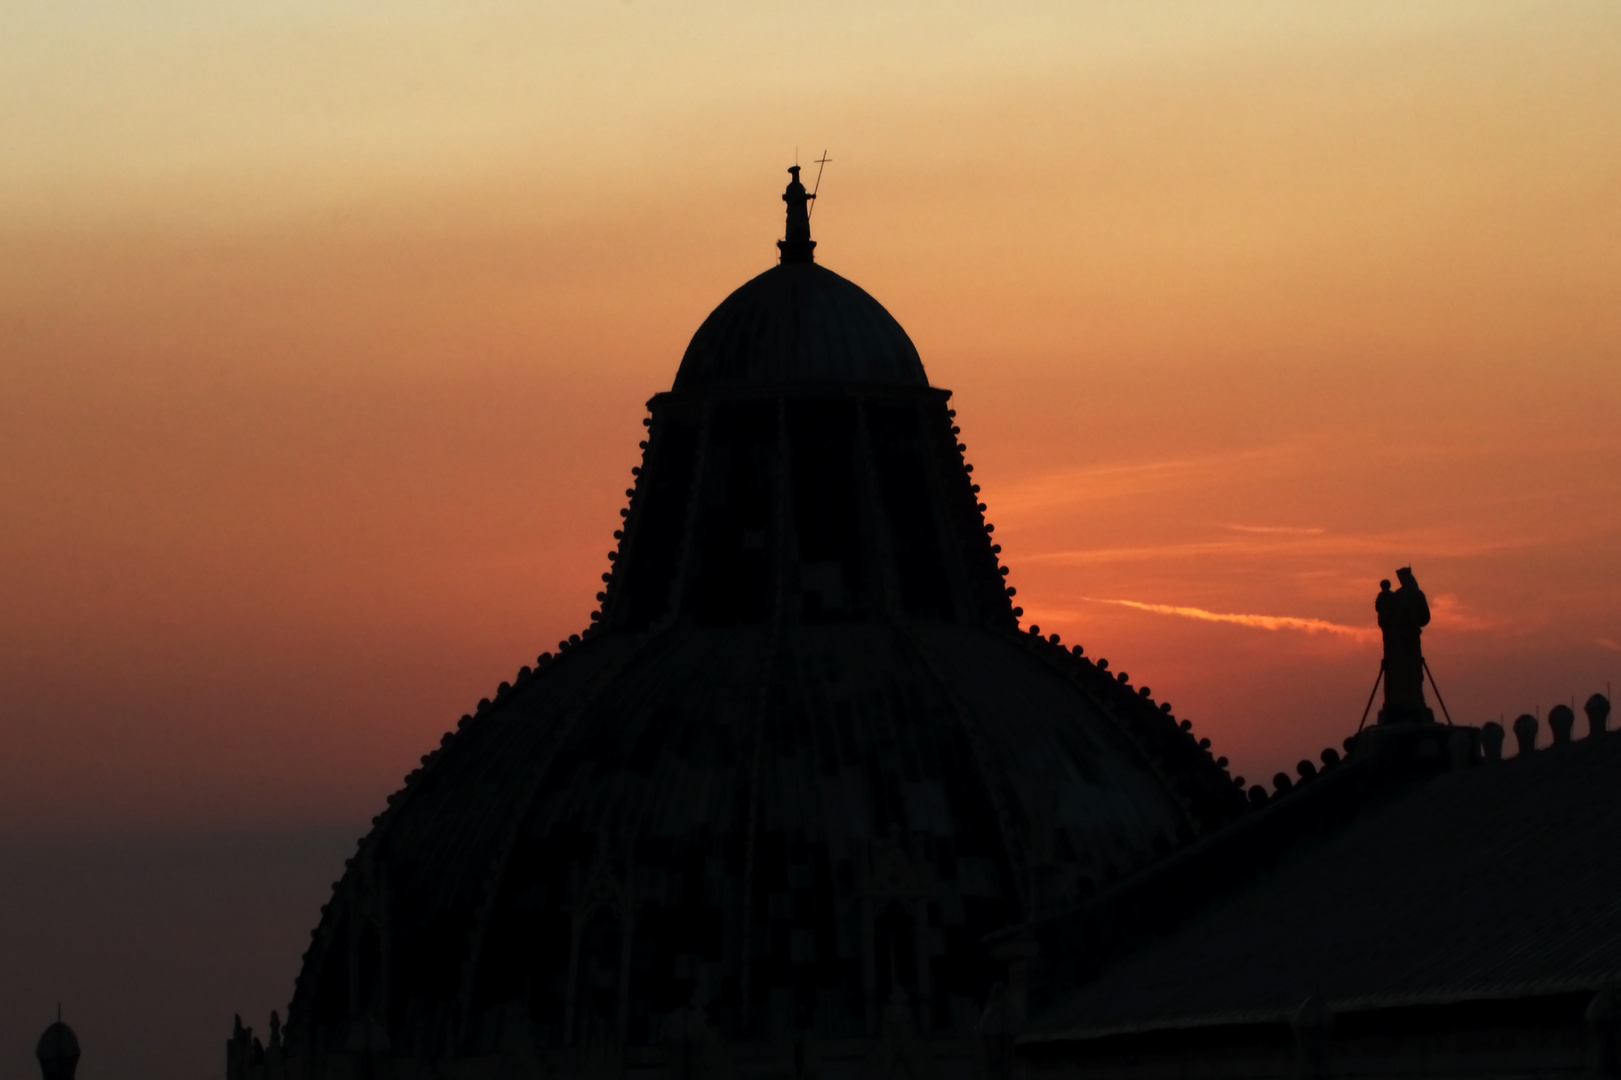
(801, 766)
(802, 763)
(786, 828)
(799, 323)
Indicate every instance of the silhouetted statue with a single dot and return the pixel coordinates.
(796, 246)
(1403, 614)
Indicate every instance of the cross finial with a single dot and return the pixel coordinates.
(821, 163)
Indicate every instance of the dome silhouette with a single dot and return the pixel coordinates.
(57, 1051)
(799, 323)
(801, 764)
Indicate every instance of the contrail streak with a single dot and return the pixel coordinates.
(1259, 622)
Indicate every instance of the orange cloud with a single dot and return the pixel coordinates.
(1258, 622)
(1449, 612)
(1278, 530)
(1430, 543)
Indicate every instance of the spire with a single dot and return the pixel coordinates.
(797, 247)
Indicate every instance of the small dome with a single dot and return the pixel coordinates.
(799, 323)
(58, 1051)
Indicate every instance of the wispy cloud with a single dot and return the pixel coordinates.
(1403, 547)
(1448, 611)
(1277, 530)
(1293, 458)
(1609, 643)
(1067, 487)
(1257, 622)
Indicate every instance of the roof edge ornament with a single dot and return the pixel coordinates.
(797, 245)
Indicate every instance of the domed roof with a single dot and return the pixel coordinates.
(606, 841)
(802, 763)
(799, 323)
(58, 1046)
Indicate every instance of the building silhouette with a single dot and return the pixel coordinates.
(804, 800)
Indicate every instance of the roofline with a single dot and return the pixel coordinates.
(1361, 1003)
(745, 391)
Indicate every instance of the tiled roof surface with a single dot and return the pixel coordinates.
(1501, 880)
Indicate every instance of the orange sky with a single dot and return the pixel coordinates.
(326, 338)
(325, 333)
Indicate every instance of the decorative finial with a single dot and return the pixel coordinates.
(821, 163)
(797, 246)
(57, 1050)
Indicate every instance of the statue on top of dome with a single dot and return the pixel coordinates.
(797, 244)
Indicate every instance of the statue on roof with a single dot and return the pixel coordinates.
(796, 245)
(1403, 614)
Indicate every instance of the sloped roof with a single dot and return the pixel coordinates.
(1498, 881)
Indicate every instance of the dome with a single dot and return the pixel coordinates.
(787, 831)
(799, 323)
(58, 1052)
(802, 762)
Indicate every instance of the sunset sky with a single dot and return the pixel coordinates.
(326, 331)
